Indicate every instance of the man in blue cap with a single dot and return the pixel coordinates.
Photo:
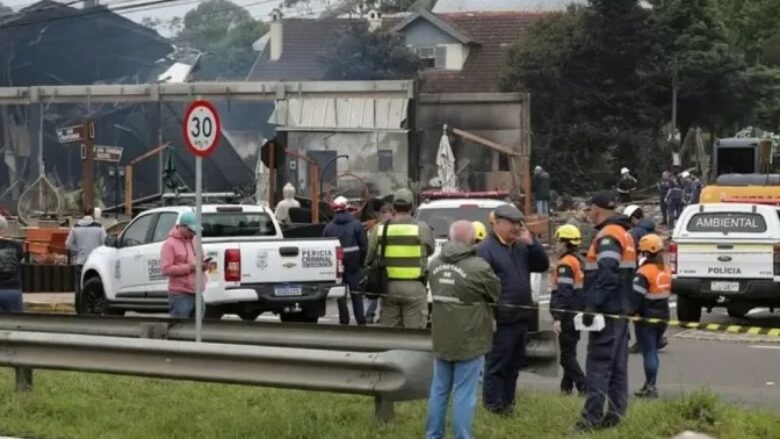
(513, 254)
(609, 272)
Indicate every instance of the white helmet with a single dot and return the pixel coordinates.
(624, 171)
(538, 169)
(339, 204)
(685, 174)
(631, 210)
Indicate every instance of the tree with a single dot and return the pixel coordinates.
(691, 51)
(751, 26)
(223, 31)
(360, 54)
(590, 113)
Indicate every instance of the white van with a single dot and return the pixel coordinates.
(726, 255)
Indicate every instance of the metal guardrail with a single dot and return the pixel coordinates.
(388, 364)
(388, 376)
(541, 350)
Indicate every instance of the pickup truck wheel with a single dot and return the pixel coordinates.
(688, 310)
(213, 312)
(737, 312)
(249, 316)
(297, 317)
(92, 300)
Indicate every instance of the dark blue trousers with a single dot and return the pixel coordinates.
(573, 376)
(503, 364)
(353, 280)
(607, 374)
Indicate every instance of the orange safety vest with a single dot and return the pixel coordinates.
(627, 257)
(572, 262)
(659, 281)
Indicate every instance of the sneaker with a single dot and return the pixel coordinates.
(649, 392)
(635, 349)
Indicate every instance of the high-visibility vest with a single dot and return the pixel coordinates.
(659, 282)
(404, 251)
(574, 264)
(627, 257)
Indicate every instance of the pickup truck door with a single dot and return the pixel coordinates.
(131, 266)
(156, 285)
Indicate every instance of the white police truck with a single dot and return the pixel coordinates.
(726, 255)
(257, 269)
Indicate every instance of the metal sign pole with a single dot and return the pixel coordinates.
(198, 249)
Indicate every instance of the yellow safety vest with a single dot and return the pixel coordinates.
(404, 252)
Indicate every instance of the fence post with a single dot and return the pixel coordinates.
(24, 378)
(384, 409)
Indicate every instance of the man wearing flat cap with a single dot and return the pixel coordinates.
(407, 244)
(513, 254)
(609, 272)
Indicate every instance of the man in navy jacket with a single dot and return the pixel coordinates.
(354, 243)
(513, 254)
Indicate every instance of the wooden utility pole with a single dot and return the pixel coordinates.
(88, 166)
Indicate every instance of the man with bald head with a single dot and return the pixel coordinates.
(464, 288)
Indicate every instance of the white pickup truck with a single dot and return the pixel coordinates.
(726, 255)
(257, 269)
(439, 214)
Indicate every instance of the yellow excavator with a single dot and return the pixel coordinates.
(744, 171)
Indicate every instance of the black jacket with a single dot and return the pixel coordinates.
(513, 265)
(353, 239)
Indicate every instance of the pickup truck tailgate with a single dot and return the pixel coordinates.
(292, 261)
(725, 260)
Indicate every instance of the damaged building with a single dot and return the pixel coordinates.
(54, 44)
(463, 55)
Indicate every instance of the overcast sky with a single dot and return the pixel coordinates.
(258, 9)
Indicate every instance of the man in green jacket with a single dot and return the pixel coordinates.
(464, 289)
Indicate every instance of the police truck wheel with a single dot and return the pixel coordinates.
(688, 310)
(737, 311)
(92, 300)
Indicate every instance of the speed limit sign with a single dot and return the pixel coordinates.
(202, 129)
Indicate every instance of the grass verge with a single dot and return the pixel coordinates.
(74, 405)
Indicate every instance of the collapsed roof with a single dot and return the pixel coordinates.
(49, 43)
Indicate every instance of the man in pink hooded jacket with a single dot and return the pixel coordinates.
(178, 264)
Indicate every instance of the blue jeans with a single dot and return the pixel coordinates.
(542, 207)
(648, 336)
(11, 301)
(181, 305)
(463, 378)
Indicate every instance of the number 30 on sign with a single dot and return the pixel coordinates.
(202, 128)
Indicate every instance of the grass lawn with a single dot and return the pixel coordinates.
(84, 406)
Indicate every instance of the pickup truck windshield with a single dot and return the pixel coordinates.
(440, 219)
(234, 224)
(727, 222)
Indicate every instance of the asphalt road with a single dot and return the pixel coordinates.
(741, 368)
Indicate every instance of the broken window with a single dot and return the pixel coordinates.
(385, 157)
